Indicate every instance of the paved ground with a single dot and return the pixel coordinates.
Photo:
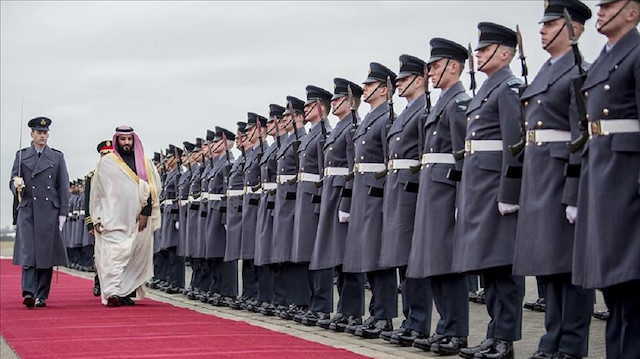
(533, 325)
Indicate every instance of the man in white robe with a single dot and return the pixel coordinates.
(125, 210)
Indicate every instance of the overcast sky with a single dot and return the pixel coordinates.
(174, 69)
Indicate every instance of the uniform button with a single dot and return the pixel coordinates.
(615, 67)
(607, 87)
(48, 187)
(587, 116)
(330, 148)
(363, 142)
(485, 99)
(396, 155)
(539, 123)
(34, 198)
(526, 103)
(526, 123)
(368, 128)
(605, 112)
(398, 138)
(46, 199)
(427, 165)
(477, 117)
(539, 102)
(431, 149)
(468, 119)
(304, 155)
(34, 187)
(302, 169)
(330, 163)
(395, 171)
(473, 134)
(435, 133)
(361, 158)
(586, 94)
(49, 176)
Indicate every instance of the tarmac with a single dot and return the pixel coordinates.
(532, 324)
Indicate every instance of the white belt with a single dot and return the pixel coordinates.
(438, 158)
(606, 127)
(183, 202)
(548, 136)
(308, 177)
(482, 145)
(204, 195)
(82, 213)
(282, 179)
(235, 192)
(75, 213)
(190, 199)
(267, 186)
(216, 196)
(336, 171)
(250, 190)
(167, 202)
(369, 167)
(402, 164)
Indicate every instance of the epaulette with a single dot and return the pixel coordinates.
(515, 82)
(462, 102)
(53, 149)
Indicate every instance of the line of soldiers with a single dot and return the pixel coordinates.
(517, 180)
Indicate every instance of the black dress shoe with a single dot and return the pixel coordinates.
(426, 343)
(127, 301)
(341, 325)
(96, 289)
(407, 338)
(472, 296)
(172, 290)
(529, 305)
(560, 355)
(482, 297)
(354, 327)
(113, 301)
(500, 349)
(449, 346)
(312, 319)
(28, 301)
(380, 326)
(326, 323)
(386, 335)
(41, 302)
(542, 355)
(470, 352)
(269, 310)
(540, 305)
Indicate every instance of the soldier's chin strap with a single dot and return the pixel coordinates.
(443, 70)
(599, 29)
(344, 99)
(415, 76)
(490, 58)
(374, 91)
(555, 36)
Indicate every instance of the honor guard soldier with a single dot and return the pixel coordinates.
(183, 199)
(607, 241)
(104, 148)
(174, 276)
(264, 223)
(235, 191)
(362, 249)
(39, 181)
(203, 213)
(487, 213)
(224, 275)
(287, 160)
(333, 221)
(199, 272)
(310, 166)
(432, 243)
(159, 267)
(544, 242)
(252, 276)
(400, 196)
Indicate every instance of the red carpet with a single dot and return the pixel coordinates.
(76, 325)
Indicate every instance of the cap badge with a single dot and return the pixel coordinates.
(43, 122)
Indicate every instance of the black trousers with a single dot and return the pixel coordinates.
(159, 268)
(265, 284)
(351, 290)
(36, 281)
(175, 267)
(298, 288)
(567, 316)
(504, 293)
(451, 299)
(384, 289)
(279, 284)
(249, 279)
(623, 326)
(321, 290)
(417, 301)
(228, 276)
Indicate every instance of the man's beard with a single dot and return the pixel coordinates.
(126, 149)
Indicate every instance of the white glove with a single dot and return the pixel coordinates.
(572, 214)
(177, 225)
(343, 217)
(507, 208)
(18, 182)
(61, 220)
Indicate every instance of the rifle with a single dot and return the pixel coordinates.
(472, 70)
(296, 143)
(518, 147)
(577, 83)
(19, 188)
(164, 166)
(427, 90)
(352, 108)
(392, 116)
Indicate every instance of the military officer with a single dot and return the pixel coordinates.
(287, 170)
(362, 249)
(235, 191)
(333, 221)
(174, 279)
(183, 199)
(432, 243)
(544, 242)
(264, 223)
(203, 212)
(224, 275)
(40, 181)
(401, 189)
(252, 276)
(310, 166)
(487, 212)
(607, 240)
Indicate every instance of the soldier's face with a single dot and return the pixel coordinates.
(125, 142)
(548, 32)
(271, 127)
(628, 13)
(407, 86)
(312, 112)
(340, 107)
(439, 73)
(40, 137)
(370, 88)
(287, 123)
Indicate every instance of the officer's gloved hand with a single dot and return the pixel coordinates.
(343, 217)
(177, 225)
(572, 214)
(507, 208)
(61, 221)
(18, 182)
